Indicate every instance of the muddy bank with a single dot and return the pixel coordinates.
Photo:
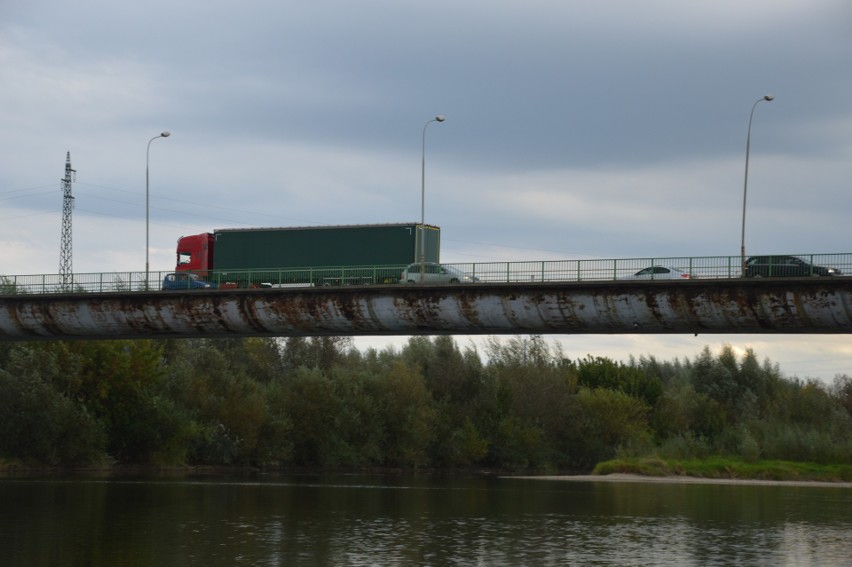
(621, 477)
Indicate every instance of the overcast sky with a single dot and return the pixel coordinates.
(574, 129)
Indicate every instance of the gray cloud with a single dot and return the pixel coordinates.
(574, 129)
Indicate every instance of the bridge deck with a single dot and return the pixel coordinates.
(767, 305)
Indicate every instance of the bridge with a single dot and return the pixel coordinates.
(574, 297)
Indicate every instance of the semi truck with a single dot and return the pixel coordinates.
(307, 255)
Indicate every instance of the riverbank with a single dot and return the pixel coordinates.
(728, 467)
(715, 470)
(674, 479)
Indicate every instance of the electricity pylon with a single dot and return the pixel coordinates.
(66, 274)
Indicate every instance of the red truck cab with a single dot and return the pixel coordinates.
(195, 254)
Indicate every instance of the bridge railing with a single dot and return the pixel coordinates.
(76, 283)
(710, 267)
(604, 270)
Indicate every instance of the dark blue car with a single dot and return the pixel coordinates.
(185, 280)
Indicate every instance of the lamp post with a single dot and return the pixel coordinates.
(438, 118)
(165, 134)
(767, 98)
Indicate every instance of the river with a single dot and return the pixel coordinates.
(359, 520)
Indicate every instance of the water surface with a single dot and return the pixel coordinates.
(418, 520)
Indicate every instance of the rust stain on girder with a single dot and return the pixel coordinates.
(805, 305)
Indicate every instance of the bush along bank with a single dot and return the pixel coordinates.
(319, 403)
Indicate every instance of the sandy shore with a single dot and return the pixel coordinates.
(620, 477)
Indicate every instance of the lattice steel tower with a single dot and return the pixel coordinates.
(66, 275)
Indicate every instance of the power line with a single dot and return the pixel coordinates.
(193, 203)
(24, 196)
(50, 212)
(27, 189)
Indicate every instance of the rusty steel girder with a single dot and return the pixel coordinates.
(769, 305)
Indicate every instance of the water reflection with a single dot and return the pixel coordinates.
(271, 520)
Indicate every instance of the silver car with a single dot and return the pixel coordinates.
(659, 273)
(433, 273)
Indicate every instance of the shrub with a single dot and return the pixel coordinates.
(41, 425)
(599, 422)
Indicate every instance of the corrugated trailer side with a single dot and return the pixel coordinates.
(345, 245)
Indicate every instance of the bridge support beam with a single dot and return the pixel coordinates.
(801, 305)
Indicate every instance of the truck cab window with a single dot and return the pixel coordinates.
(184, 257)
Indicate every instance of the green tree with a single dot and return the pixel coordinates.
(462, 399)
(841, 390)
(119, 383)
(409, 416)
(534, 398)
(519, 445)
(723, 380)
(227, 403)
(315, 352)
(359, 419)
(602, 421)
(598, 372)
(684, 411)
(314, 408)
(40, 424)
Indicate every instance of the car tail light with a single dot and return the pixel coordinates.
(685, 276)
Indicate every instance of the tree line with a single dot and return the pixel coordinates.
(520, 405)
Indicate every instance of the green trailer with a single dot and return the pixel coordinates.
(310, 255)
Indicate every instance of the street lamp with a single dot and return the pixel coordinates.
(767, 98)
(438, 118)
(165, 134)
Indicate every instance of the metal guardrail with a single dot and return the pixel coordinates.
(709, 267)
